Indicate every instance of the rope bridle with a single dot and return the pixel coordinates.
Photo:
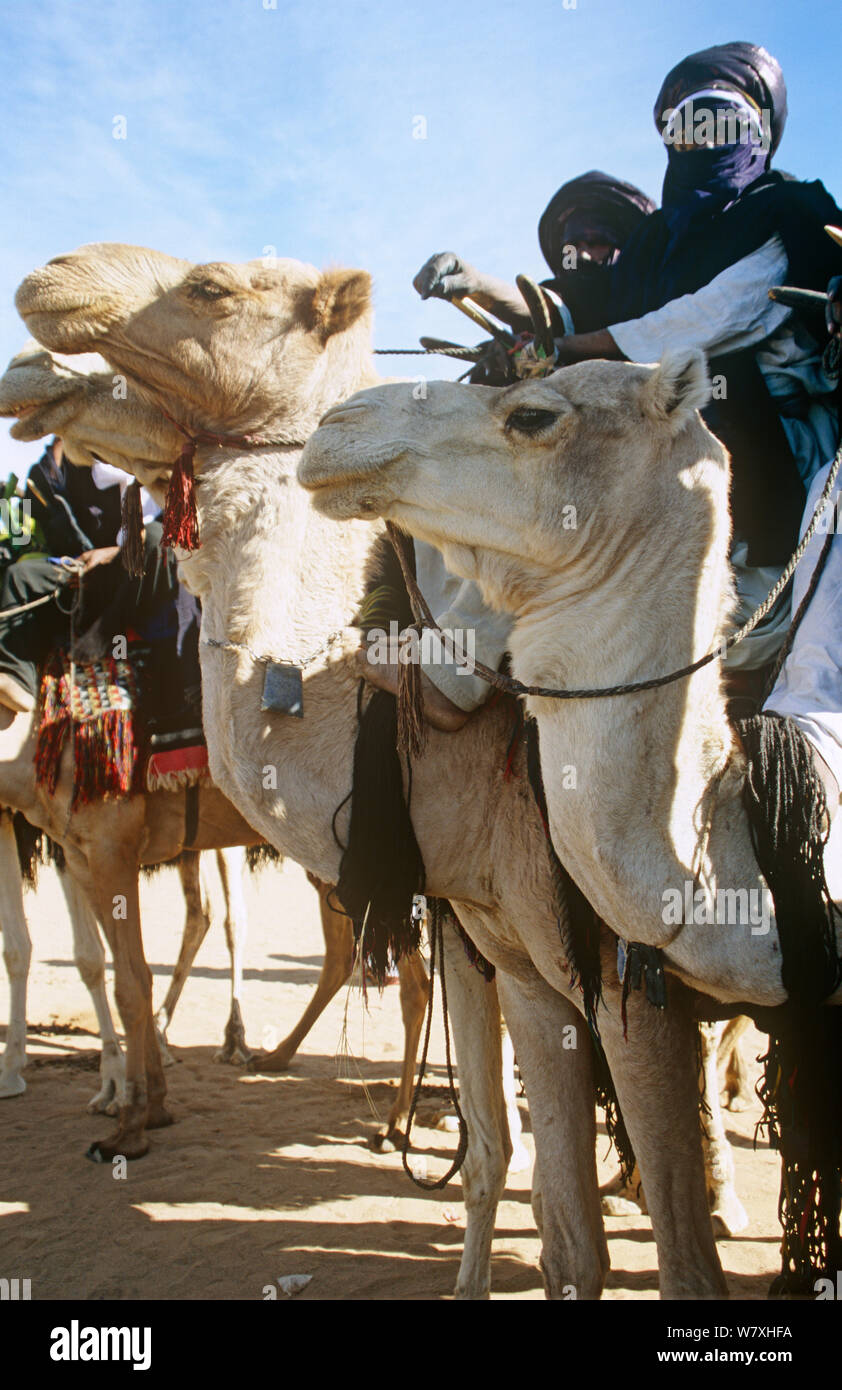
(194, 437)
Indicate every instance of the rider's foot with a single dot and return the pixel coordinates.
(438, 710)
(14, 696)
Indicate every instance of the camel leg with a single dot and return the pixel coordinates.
(475, 1022)
(739, 1092)
(89, 956)
(520, 1160)
(414, 992)
(336, 969)
(196, 923)
(17, 954)
(231, 864)
(656, 1077)
(554, 1055)
(719, 1161)
(114, 892)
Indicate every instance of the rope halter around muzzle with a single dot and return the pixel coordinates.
(180, 518)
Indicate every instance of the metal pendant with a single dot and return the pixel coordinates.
(283, 689)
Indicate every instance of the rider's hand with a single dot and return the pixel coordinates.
(91, 558)
(445, 276)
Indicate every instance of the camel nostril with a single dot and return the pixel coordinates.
(339, 413)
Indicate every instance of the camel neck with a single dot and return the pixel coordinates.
(273, 575)
(643, 790)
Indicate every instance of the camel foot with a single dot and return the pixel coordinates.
(520, 1160)
(234, 1047)
(447, 1122)
(237, 1056)
(167, 1059)
(12, 1084)
(105, 1101)
(270, 1061)
(737, 1103)
(613, 1205)
(121, 1146)
(388, 1140)
(730, 1213)
(158, 1116)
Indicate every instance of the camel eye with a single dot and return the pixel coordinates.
(209, 290)
(528, 419)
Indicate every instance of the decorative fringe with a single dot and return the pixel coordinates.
(131, 548)
(258, 856)
(171, 770)
(174, 781)
(180, 521)
(412, 730)
(381, 869)
(96, 711)
(104, 755)
(801, 1087)
(34, 848)
(615, 1125)
(801, 1091)
(786, 806)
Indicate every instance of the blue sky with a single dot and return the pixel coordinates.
(249, 127)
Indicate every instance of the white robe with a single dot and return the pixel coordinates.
(809, 687)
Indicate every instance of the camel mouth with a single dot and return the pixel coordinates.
(30, 425)
(26, 405)
(328, 463)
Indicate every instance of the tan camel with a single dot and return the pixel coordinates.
(613, 599)
(59, 389)
(89, 957)
(265, 351)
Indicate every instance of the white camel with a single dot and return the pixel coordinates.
(640, 585)
(264, 352)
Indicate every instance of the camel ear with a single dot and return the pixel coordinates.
(339, 299)
(677, 388)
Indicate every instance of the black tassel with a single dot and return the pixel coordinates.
(131, 549)
(412, 726)
(801, 1089)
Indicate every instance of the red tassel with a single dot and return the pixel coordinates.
(181, 522)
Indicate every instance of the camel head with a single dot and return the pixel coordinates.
(94, 413)
(520, 484)
(258, 347)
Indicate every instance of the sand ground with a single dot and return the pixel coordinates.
(268, 1176)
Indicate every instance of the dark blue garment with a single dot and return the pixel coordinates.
(656, 266)
(700, 183)
(738, 67)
